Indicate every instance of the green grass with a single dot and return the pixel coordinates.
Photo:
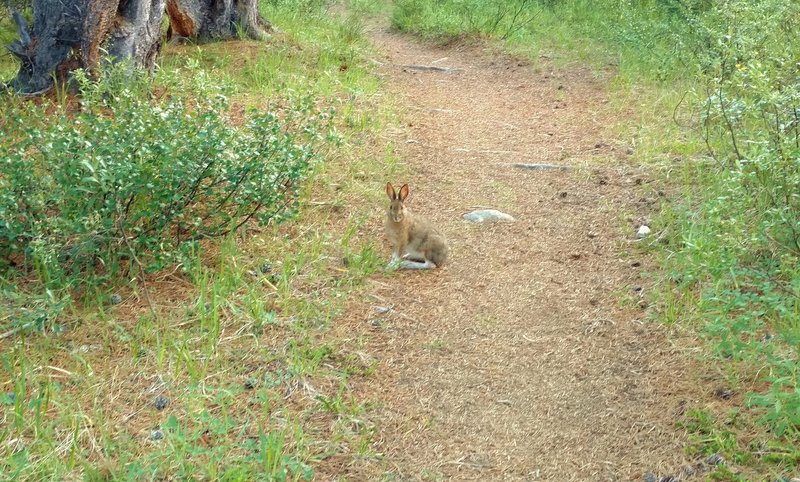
(238, 336)
(8, 33)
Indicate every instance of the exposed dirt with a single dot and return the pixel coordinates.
(516, 360)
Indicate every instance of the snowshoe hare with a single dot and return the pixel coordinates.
(417, 244)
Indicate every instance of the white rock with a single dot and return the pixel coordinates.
(484, 215)
(643, 232)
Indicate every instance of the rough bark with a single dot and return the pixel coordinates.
(134, 33)
(47, 47)
(216, 19)
(70, 34)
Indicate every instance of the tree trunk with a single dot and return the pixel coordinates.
(216, 19)
(134, 32)
(57, 29)
(70, 34)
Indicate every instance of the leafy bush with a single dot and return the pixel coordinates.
(751, 107)
(738, 239)
(127, 180)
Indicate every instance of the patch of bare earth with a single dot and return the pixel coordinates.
(515, 361)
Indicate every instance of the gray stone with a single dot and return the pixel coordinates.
(161, 402)
(484, 215)
(725, 394)
(643, 232)
(156, 435)
(116, 299)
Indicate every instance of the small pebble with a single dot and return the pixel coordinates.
(650, 477)
(161, 402)
(116, 299)
(156, 435)
(724, 393)
(643, 232)
(715, 459)
(250, 383)
(637, 289)
(266, 268)
(376, 323)
(592, 234)
(636, 264)
(562, 194)
(381, 309)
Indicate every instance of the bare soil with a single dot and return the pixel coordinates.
(528, 356)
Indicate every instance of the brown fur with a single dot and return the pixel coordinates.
(412, 234)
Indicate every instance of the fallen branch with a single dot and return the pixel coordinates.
(541, 167)
(431, 68)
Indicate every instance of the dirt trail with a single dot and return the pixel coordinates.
(515, 362)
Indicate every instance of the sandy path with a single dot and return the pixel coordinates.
(516, 362)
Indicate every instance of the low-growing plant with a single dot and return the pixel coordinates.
(130, 181)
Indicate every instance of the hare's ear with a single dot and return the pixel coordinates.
(390, 191)
(404, 192)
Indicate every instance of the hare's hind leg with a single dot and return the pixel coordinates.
(406, 264)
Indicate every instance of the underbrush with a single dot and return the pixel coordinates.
(128, 183)
(644, 39)
(175, 252)
(729, 241)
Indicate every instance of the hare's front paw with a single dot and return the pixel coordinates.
(394, 263)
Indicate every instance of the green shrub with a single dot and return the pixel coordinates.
(738, 239)
(128, 180)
